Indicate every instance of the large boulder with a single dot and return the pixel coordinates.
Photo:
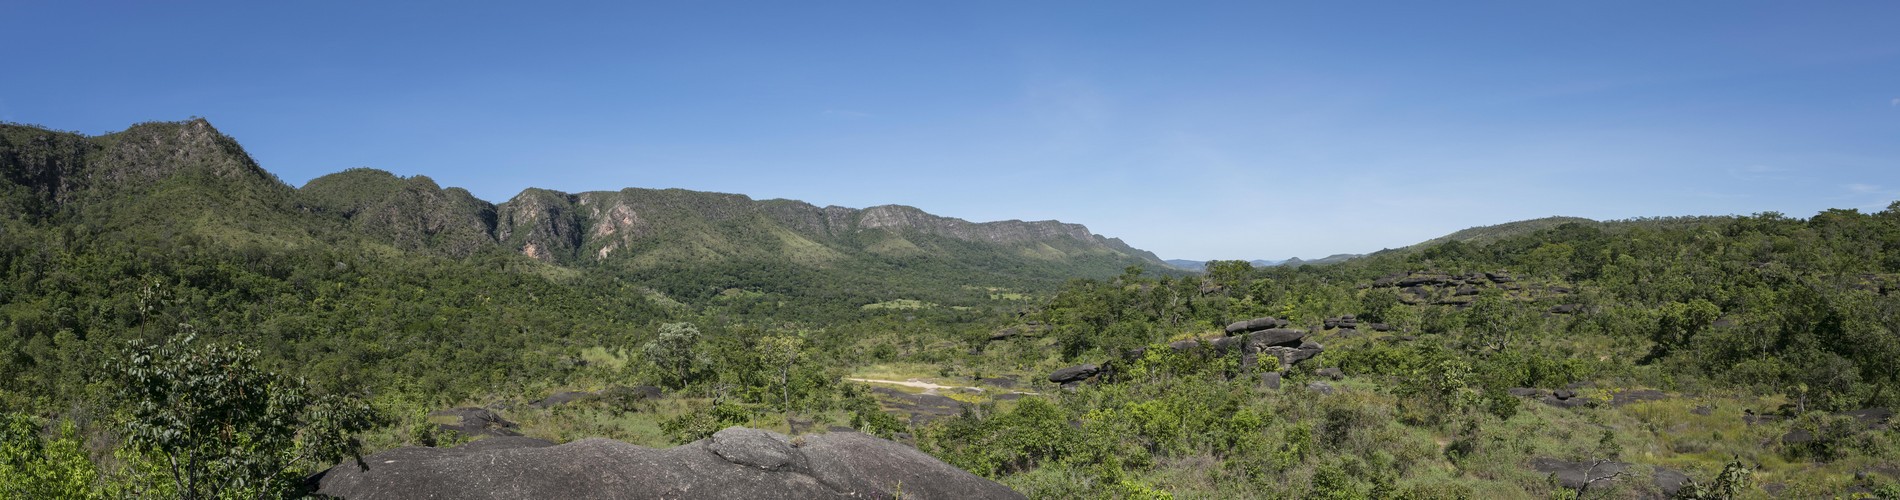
(734, 463)
(1254, 325)
(562, 398)
(1074, 373)
(1601, 473)
(1424, 279)
(1288, 337)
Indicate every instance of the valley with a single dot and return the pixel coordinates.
(165, 296)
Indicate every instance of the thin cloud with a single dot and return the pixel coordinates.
(1858, 188)
(845, 113)
(1896, 101)
(1758, 173)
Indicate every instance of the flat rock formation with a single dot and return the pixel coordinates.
(734, 463)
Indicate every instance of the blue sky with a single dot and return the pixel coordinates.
(1196, 130)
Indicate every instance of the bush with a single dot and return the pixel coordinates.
(226, 427)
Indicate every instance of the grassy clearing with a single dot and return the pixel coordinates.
(900, 304)
(601, 356)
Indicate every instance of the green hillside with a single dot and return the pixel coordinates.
(161, 296)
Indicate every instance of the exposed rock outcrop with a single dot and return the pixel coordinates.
(473, 422)
(1074, 374)
(1254, 325)
(734, 463)
(1601, 474)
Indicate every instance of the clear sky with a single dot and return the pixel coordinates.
(1197, 130)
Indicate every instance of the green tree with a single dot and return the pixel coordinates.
(31, 467)
(675, 352)
(780, 352)
(1678, 323)
(223, 427)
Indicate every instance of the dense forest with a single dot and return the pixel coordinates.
(175, 322)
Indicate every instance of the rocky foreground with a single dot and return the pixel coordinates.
(734, 463)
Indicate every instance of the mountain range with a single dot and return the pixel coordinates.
(188, 177)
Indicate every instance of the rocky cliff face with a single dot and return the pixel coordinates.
(616, 223)
(182, 170)
(145, 171)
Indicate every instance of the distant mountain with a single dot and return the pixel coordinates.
(190, 178)
(1487, 234)
(1496, 232)
(1330, 259)
(1201, 265)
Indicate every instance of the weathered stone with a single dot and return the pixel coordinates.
(921, 408)
(1465, 290)
(1424, 279)
(734, 463)
(1074, 373)
(1621, 398)
(1270, 380)
(1380, 327)
(1254, 325)
(473, 422)
(1320, 387)
(1566, 309)
(763, 449)
(1596, 474)
(1277, 337)
(1331, 372)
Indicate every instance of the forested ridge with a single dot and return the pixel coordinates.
(176, 322)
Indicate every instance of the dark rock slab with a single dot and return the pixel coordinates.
(922, 408)
(1286, 337)
(1270, 380)
(1320, 387)
(1598, 474)
(1566, 309)
(562, 398)
(1074, 373)
(734, 463)
(1871, 417)
(1331, 372)
(1622, 398)
(1254, 325)
(1424, 279)
(473, 422)
(1380, 327)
